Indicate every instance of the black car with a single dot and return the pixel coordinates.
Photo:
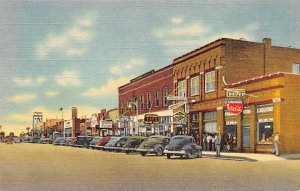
(35, 139)
(133, 143)
(83, 141)
(115, 144)
(155, 144)
(182, 145)
(94, 142)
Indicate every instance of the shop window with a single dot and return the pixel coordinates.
(142, 101)
(210, 127)
(210, 81)
(135, 99)
(165, 94)
(296, 68)
(210, 115)
(195, 117)
(156, 98)
(182, 88)
(195, 86)
(264, 133)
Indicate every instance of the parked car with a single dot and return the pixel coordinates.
(72, 141)
(27, 140)
(17, 140)
(94, 142)
(100, 144)
(46, 141)
(133, 143)
(83, 141)
(183, 145)
(58, 141)
(154, 144)
(115, 144)
(65, 141)
(35, 139)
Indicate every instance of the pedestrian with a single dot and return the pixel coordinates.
(213, 142)
(208, 139)
(229, 142)
(276, 144)
(204, 141)
(218, 143)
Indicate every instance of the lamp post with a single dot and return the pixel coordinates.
(137, 114)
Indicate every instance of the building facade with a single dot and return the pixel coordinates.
(203, 75)
(147, 94)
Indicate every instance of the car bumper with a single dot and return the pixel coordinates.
(182, 152)
(129, 149)
(145, 150)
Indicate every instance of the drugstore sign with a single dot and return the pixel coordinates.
(235, 93)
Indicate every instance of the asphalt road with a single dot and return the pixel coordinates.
(46, 167)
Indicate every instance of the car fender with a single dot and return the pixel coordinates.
(187, 147)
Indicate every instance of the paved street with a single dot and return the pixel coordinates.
(47, 167)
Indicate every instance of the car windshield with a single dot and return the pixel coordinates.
(96, 139)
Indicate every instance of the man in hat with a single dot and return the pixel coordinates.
(218, 143)
(276, 144)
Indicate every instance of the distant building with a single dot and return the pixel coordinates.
(74, 112)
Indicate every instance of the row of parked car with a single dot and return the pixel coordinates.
(180, 145)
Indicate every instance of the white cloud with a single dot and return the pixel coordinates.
(72, 52)
(51, 93)
(21, 98)
(28, 82)
(67, 40)
(80, 35)
(180, 39)
(108, 89)
(176, 20)
(68, 78)
(124, 67)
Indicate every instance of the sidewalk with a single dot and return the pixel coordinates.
(252, 157)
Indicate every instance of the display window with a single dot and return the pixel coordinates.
(264, 133)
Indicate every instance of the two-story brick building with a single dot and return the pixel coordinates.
(203, 74)
(147, 94)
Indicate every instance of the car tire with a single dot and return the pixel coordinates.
(143, 154)
(189, 154)
(127, 152)
(168, 156)
(159, 151)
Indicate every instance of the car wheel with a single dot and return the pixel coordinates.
(188, 155)
(168, 156)
(143, 153)
(127, 152)
(159, 151)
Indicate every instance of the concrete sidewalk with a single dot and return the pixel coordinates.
(252, 157)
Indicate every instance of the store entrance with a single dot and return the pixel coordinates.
(246, 137)
(230, 137)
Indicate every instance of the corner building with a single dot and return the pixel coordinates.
(203, 75)
(146, 94)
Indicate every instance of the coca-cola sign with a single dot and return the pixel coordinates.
(235, 107)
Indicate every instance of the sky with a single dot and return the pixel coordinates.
(64, 53)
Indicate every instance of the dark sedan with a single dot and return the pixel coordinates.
(182, 145)
(155, 144)
(115, 144)
(133, 143)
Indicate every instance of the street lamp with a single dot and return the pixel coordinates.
(137, 114)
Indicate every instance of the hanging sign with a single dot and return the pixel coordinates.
(235, 107)
(235, 93)
(151, 119)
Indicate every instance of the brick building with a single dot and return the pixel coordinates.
(143, 95)
(203, 74)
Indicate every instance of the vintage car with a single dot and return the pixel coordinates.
(154, 144)
(94, 142)
(72, 142)
(115, 144)
(83, 141)
(133, 143)
(58, 141)
(45, 141)
(183, 145)
(100, 144)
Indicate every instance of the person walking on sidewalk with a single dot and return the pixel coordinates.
(276, 144)
(218, 143)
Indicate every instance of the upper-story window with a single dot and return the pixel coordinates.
(135, 99)
(165, 94)
(296, 68)
(210, 81)
(142, 101)
(195, 86)
(122, 107)
(148, 100)
(182, 88)
(156, 98)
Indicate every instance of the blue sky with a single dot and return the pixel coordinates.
(76, 53)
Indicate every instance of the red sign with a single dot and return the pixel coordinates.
(151, 119)
(235, 107)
